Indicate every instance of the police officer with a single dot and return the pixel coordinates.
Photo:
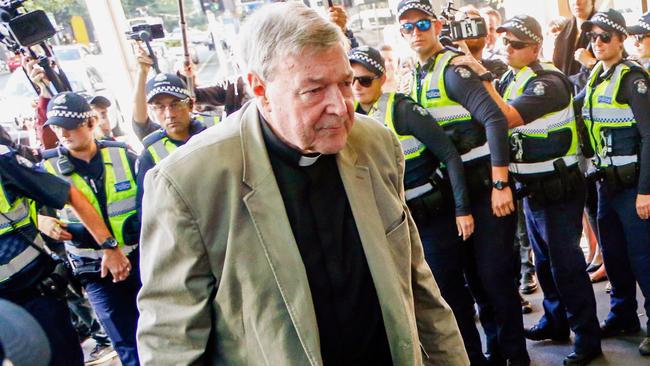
(616, 112)
(544, 144)
(425, 146)
(104, 173)
(168, 98)
(641, 33)
(28, 275)
(459, 102)
(143, 126)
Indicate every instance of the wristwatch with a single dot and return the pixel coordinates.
(109, 243)
(487, 76)
(499, 185)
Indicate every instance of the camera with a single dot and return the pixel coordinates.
(458, 30)
(31, 28)
(146, 32)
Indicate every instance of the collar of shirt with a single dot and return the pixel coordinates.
(285, 152)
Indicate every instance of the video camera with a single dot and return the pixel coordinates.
(20, 31)
(147, 33)
(458, 30)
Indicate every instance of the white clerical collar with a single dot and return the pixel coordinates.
(308, 160)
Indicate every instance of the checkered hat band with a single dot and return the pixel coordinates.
(609, 22)
(360, 57)
(519, 25)
(418, 6)
(644, 25)
(69, 114)
(167, 89)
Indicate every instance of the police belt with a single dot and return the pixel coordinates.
(95, 254)
(543, 167)
(475, 153)
(560, 185)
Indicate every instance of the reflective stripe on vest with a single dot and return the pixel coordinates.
(93, 254)
(119, 186)
(20, 261)
(602, 112)
(542, 128)
(161, 149)
(411, 147)
(208, 121)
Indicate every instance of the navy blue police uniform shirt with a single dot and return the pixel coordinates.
(145, 161)
(21, 178)
(464, 86)
(93, 173)
(634, 91)
(409, 118)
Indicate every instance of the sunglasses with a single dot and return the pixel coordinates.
(423, 25)
(365, 81)
(518, 45)
(640, 37)
(606, 37)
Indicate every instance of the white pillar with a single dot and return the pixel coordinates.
(110, 25)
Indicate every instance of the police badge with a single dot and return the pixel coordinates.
(641, 86)
(539, 89)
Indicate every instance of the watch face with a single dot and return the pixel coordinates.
(109, 243)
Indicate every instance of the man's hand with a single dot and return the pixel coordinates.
(338, 16)
(37, 75)
(116, 262)
(53, 228)
(470, 62)
(643, 206)
(465, 225)
(585, 58)
(502, 202)
(144, 60)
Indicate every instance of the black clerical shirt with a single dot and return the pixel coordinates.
(347, 309)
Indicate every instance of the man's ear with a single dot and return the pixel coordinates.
(256, 84)
(92, 122)
(382, 79)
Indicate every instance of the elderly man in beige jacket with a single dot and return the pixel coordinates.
(281, 236)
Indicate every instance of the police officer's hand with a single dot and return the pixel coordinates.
(470, 62)
(502, 202)
(465, 225)
(53, 228)
(115, 261)
(144, 60)
(338, 16)
(643, 206)
(585, 57)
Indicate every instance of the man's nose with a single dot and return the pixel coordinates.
(336, 101)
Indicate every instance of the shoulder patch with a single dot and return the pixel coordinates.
(539, 88)
(463, 72)
(24, 161)
(420, 110)
(641, 86)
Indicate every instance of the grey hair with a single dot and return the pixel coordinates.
(280, 30)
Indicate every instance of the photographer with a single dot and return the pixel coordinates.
(28, 276)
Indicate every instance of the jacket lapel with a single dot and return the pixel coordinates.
(266, 208)
(360, 192)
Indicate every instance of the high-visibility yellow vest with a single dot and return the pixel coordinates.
(431, 93)
(119, 185)
(548, 138)
(611, 125)
(382, 111)
(208, 121)
(17, 215)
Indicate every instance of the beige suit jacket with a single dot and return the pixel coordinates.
(223, 282)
